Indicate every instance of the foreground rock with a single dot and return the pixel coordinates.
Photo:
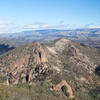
(58, 88)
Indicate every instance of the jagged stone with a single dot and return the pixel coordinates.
(58, 87)
(22, 67)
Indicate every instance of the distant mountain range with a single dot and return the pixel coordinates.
(87, 36)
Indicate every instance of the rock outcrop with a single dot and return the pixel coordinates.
(58, 60)
(58, 87)
(25, 64)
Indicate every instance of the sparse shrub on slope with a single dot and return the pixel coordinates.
(65, 91)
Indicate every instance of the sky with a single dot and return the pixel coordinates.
(19, 15)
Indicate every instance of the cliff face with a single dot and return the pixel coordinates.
(25, 65)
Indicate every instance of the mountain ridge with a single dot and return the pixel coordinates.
(52, 62)
(87, 36)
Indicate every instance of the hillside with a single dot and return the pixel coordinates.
(76, 64)
(46, 70)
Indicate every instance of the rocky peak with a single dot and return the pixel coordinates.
(37, 53)
(24, 64)
(67, 53)
(61, 44)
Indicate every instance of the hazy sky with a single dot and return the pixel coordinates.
(18, 15)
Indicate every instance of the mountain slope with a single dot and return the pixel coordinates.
(52, 63)
(73, 59)
(24, 63)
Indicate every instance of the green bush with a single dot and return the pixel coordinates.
(74, 99)
(37, 69)
(67, 94)
(54, 92)
(56, 79)
(64, 89)
(25, 85)
(83, 96)
(3, 78)
(98, 96)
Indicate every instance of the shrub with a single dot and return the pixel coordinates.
(64, 89)
(56, 79)
(98, 96)
(67, 94)
(25, 85)
(3, 78)
(74, 98)
(37, 69)
(54, 92)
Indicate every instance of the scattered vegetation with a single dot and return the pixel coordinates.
(79, 95)
(40, 91)
(56, 79)
(65, 91)
(25, 85)
(37, 69)
(3, 79)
